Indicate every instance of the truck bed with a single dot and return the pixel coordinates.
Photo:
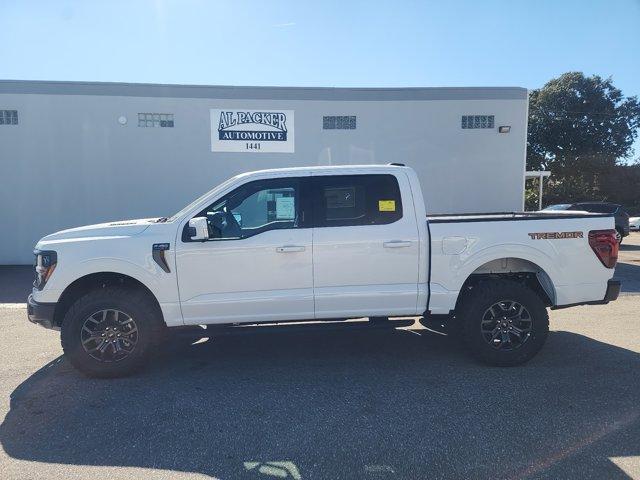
(553, 246)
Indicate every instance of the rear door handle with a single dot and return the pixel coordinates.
(397, 244)
(290, 248)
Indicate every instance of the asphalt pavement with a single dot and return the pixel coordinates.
(372, 405)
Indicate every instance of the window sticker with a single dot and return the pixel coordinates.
(285, 208)
(386, 205)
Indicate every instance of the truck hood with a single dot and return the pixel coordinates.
(124, 228)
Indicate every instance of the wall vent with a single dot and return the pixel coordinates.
(164, 120)
(478, 121)
(344, 122)
(8, 117)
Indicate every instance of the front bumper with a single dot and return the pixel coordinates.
(613, 290)
(41, 313)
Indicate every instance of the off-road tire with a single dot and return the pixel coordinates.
(479, 299)
(136, 304)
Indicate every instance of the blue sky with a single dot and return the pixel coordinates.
(298, 43)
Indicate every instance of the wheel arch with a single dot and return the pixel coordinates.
(516, 269)
(96, 280)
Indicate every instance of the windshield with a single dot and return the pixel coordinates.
(599, 207)
(559, 206)
(197, 201)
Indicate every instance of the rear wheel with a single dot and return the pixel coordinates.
(111, 332)
(503, 323)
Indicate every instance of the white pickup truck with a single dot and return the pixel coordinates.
(317, 245)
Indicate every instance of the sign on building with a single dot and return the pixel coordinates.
(254, 131)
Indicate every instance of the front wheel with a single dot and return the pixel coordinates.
(111, 332)
(504, 323)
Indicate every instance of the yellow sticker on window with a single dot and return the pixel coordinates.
(387, 205)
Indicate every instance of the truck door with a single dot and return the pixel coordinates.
(256, 264)
(365, 246)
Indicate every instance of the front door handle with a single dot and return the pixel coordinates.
(397, 244)
(290, 248)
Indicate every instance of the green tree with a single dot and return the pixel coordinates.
(581, 129)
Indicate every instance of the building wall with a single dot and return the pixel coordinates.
(69, 162)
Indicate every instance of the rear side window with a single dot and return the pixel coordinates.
(344, 200)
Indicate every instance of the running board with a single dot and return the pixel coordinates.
(252, 329)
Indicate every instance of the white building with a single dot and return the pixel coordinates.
(74, 153)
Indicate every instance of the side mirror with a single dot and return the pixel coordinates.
(198, 229)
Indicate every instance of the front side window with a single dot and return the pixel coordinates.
(343, 200)
(254, 208)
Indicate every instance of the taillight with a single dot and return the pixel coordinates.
(605, 245)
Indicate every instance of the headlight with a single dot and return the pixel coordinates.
(45, 264)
